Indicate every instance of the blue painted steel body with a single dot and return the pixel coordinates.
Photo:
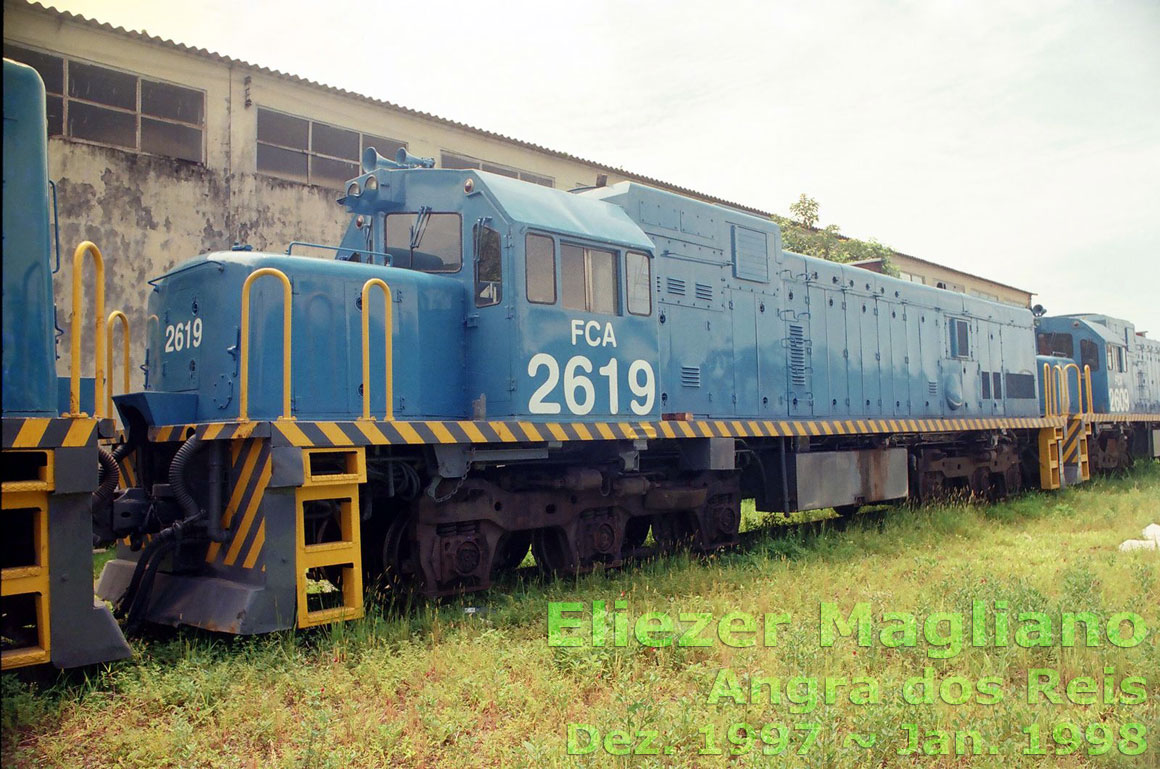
(29, 356)
(738, 327)
(751, 330)
(1125, 367)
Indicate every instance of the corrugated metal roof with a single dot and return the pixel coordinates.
(214, 56)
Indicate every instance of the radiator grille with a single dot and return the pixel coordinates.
(691, 376)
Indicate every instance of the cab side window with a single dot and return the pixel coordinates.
(540, 269)
(1089, 354)
(488, 267)
(639, 279)
(589, 280)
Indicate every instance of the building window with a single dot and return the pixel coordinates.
(960, 338)
(588, 279)
(911, 277)
(540, 269)
(452, 160)
(310, 152)
(639, 278)
(118, 109)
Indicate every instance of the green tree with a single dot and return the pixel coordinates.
(802, 235)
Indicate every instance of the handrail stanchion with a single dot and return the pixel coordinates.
(114, 316)
(366, 348)
(1078, 384)
(244, 352)
(1087, 375)
(1048, 392)
(1064, 394)
(74, 391)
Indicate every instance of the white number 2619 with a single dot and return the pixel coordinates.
(182, 335)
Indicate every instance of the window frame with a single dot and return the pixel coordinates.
(310, 153)
(953, 326)
(527, 273)
(483, 227)
(647, 283)
(456, 214)
(137, 113)
(467, 162)
(586, 250)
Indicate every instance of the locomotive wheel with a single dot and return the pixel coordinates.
(401, 572)
(552, 551)
(511, 550)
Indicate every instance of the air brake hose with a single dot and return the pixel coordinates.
(181, 493)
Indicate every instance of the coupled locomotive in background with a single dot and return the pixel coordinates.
(488, 367)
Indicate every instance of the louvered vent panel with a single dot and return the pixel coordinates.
(691, 376)
(932, 387)
(703, 292)
(797, 356)
(676, 286)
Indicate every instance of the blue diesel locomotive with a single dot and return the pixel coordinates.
(488, 367)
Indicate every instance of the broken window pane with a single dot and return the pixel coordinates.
(289, 164)
(385, 147)
(86, 121)
(176, 141)
(171, 101)
(488, 269)
(331, 173)
(106, 86)
(51, 68)
(572, 277)
(339, 143)
(54, 106)
(288, 131)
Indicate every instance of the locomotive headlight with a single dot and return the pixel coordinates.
(353, 190)
(371, 184)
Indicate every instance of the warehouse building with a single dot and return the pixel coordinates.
(161, 151)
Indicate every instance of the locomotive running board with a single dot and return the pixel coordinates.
(306, 434)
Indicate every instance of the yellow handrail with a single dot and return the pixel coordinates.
(1087, 375)
(74, 391)
(1048, 394)
(244, 352)
(1078, 383)
(366, 347)
(115, 315)
(1062, 391)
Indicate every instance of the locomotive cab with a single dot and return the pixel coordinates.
(557, 288)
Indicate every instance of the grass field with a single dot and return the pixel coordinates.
(438, 687)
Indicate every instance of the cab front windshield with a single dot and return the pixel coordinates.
(424, 241)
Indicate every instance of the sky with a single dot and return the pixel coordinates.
(1015, 140)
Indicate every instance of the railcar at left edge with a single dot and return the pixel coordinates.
(52, 463)
(485, 368)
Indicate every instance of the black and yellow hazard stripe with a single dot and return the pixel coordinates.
(210, 431)
(1122, 417)
(364, 433)
(1076, 430)
(250, 470)
(48, 433)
